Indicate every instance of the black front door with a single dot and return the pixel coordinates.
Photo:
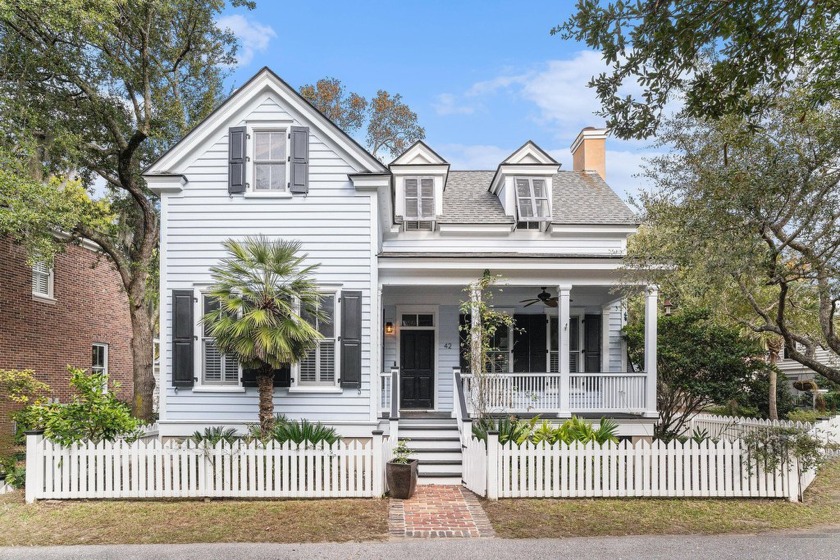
(417, 369)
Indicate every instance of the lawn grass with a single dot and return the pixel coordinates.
(147, 522)
(541, 518)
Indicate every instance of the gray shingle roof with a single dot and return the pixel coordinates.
(466, 200)
(578, 198)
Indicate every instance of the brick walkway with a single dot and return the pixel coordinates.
(439, 511)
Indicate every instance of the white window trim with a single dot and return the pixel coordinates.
(322, 387)
(199, 385)
(104, 366)
(251, 152)
(532, 200)
(50, 295)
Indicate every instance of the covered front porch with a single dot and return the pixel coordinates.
(564, 356)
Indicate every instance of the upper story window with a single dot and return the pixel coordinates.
(532, 205)
(320, 365)
(42, 280)
(419, 203)
(216, 368)
(270, 165)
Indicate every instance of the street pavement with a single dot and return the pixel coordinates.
(815, 545)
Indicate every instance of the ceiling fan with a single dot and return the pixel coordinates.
(543, 297)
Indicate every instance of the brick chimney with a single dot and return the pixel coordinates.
(589, 151)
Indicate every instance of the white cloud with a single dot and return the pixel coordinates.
(446, 104)
(253, 37)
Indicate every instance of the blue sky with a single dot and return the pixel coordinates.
(483, 77)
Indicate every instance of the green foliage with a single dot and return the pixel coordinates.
(268, 303)
(94, 414)
(303, 432)
(771, 448)
(699, 435)
(711, 56)
(699, 363)
(213, 435)
(747, 223)
(19, 387)
(402, 453)
(12, 472)
(514, 431)
(802, 415)
(754, 399)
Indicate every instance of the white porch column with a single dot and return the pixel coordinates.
(651, 315)
(563, 304)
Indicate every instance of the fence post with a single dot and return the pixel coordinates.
(794, 480)
(34, 465)
(378, 467)
(493, 465)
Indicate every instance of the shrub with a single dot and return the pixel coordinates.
(14, 473)
(19, 387)
(303, 431)
(802, 415)
(572, 430)
(402, 453)
(771, 448)
(213, 435)
(94, 414)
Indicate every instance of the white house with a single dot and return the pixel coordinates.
(397, 245)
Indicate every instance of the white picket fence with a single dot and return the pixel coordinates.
(733, 427)
(155, 469)
(708, 469)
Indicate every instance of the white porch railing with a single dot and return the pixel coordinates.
(384, 393)
(543, 392)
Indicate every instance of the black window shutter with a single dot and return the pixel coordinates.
(182, 338)
(351, 339)
(299, 160)
(237, 136)
(282, 377)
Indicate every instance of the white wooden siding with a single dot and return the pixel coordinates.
(615, 316)
(333, 222)
(518, 241)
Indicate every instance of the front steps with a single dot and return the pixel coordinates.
(436, 444)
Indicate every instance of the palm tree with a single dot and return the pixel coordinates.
(265, 293)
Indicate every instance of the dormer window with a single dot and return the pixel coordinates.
(419, 203)
(532, 205)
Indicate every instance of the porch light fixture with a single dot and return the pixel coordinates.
(389, 327)
(668, 307)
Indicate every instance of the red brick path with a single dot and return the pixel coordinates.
(439, 511)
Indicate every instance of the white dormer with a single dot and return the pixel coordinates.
(523, 183)
(419, 176)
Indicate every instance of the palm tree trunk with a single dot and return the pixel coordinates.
(265, 381)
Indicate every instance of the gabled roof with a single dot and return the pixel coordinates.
(264, 80)
(529, 154)
(419, 153)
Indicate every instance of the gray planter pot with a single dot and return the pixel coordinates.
(402, 479)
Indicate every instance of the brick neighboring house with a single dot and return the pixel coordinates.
(50, 319)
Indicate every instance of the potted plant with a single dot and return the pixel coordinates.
(401, 472)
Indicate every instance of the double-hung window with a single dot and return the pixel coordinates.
(216, 368)
(532, 204)
(42, 280)
(270, 167)
(419, 203)
(320, 365)
(99, 358)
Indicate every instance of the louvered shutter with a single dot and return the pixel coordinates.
(351, 339)
(299, 160)
(183, 371)
(237, 141)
